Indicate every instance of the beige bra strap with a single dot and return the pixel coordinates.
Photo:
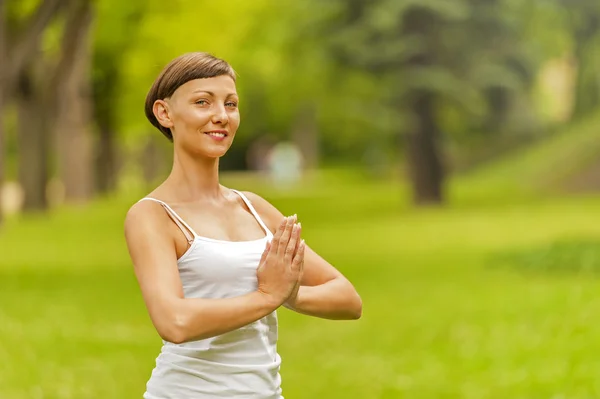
(187, 231)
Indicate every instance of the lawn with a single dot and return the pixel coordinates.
(459, 302)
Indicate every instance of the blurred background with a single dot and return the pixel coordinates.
(445, 156)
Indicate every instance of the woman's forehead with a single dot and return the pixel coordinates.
(219, 85)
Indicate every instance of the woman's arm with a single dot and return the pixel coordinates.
(326, 295)
(178, 319)
(324, 291)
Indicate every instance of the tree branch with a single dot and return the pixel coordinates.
(24, 48)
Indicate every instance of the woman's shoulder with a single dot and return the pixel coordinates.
(145, 215)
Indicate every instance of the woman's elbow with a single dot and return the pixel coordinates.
(351, 304)
(174, 330)
(356, 308)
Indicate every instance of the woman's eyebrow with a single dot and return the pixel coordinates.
(210, 93)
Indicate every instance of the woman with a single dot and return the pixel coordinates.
(214, 264)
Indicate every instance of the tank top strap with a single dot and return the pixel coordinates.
(253, 211)
(183, 226)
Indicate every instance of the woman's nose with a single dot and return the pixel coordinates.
(220, 115)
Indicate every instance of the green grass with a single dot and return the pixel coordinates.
(441, 319)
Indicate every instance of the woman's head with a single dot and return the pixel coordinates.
(195, 95)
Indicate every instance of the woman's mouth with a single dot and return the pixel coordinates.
(217, 135)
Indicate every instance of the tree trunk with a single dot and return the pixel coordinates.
(2, 153)
(105, 83)
(425, 168)
(498, 100)
(103, 88)
(586, 87)
(106, 160)
(3, 72)
(424, 164)
(19, 80)
(33, 140)
(24, 47)
(75, 111)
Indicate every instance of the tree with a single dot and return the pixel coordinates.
(425, 55)
(116, 21)
(401, 41)
(19, 40)
(52, 77)
(33, 136)
(73, 93)
(3, 56)
(584, 21)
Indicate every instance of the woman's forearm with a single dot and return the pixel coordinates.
(336, 300)
(199, 318)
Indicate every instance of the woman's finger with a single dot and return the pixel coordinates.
(298, 262)
(263, 258)
(285, 236)
(277, 235)
(291, 247)
(298, 240)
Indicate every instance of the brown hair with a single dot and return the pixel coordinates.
(181, 70)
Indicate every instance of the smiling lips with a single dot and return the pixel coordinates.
(217, 134)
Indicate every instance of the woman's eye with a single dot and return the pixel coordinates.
(231, 104)
(201, 102)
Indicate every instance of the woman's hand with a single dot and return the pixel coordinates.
(281, 266)
(290, 303)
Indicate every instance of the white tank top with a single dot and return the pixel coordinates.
(243, 363)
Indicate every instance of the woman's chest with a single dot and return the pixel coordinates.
(221, 270)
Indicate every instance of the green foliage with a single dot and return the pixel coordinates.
(18, 12)
(463, 49)
(116, 26)
(348, 60)
(167, 31)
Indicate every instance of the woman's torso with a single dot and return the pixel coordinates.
(242, 363)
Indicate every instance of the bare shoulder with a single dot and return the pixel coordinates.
(144, 219)
(267, 211)
(142, 213)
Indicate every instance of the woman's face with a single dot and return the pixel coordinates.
(203, 115)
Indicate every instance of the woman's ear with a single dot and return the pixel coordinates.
(162, 113)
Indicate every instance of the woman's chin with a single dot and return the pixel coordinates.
(209, 151)
(212, 152)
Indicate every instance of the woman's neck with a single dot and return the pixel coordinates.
(194, 179)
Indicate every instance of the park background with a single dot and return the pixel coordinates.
(451, 170)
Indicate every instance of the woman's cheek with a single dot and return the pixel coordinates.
(235, 118)
(201, 115)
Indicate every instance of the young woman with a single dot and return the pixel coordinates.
(213, 263)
